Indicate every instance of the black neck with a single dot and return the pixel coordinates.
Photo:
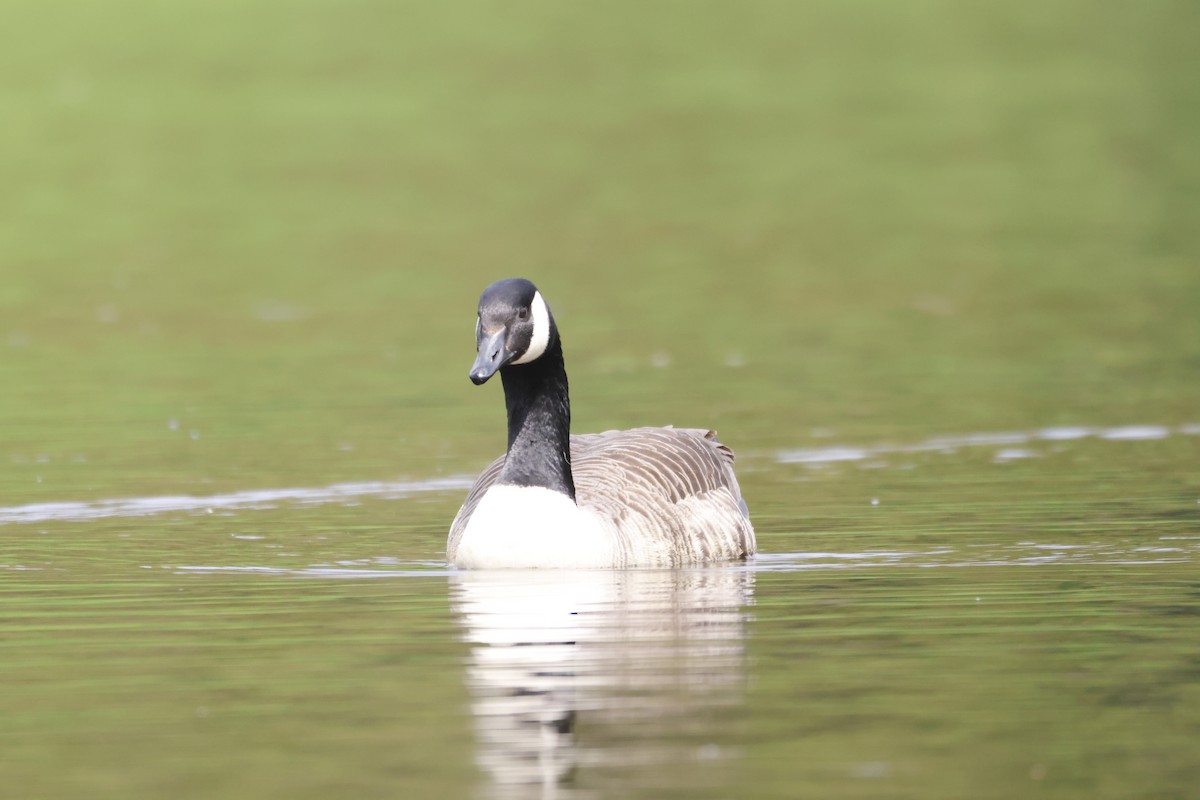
(539, 423)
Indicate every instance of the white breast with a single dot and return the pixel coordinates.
(528, 526)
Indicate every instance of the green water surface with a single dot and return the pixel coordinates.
(931, 268)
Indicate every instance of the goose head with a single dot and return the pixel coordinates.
(514, 327)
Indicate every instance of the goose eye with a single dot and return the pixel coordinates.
(523, 314)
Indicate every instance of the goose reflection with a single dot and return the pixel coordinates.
(582, 678)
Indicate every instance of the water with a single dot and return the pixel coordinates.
(929, 268)
(303, 642)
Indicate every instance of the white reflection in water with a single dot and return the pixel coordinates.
(650, 664)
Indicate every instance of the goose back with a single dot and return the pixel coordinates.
(668, 496)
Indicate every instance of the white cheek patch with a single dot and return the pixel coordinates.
(541, 330)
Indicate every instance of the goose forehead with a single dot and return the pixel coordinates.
(507, 294)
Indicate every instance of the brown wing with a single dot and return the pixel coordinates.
(670, 493)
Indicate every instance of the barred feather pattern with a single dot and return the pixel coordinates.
(667, 496)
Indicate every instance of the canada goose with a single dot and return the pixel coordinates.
(646, 497)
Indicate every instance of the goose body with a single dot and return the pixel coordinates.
(652, 497)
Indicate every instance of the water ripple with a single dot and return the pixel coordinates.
(1162, 550)
(980, 555)
(249, 499)
(1005, 439)
(254, 499)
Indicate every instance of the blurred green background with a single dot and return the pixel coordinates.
(241, 242)
(241, 245)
